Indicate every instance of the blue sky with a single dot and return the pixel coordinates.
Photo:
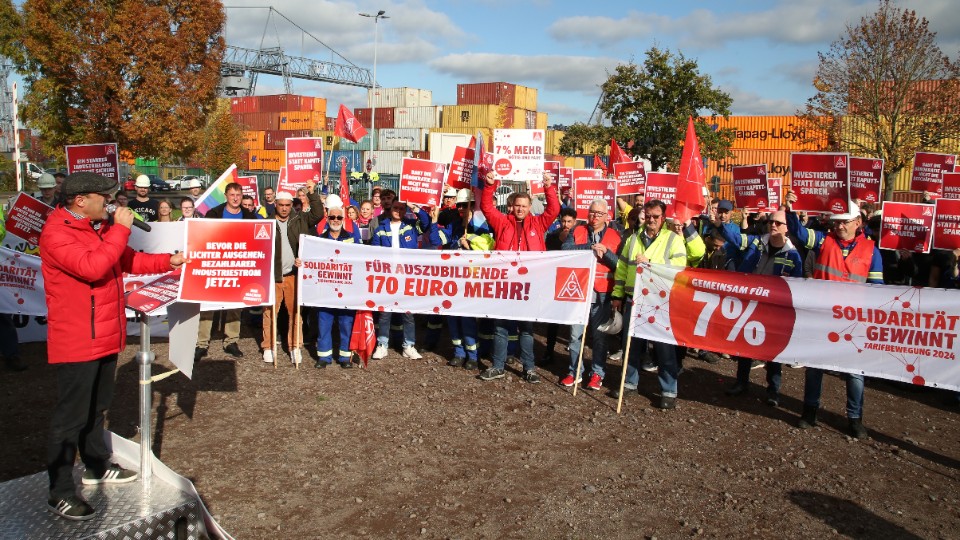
(763, 53)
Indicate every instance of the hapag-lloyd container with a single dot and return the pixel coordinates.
(416, 117)
(253, 140)
(266, 160)
(402, 139)
(387, 161)
(769, 133)
(400, 97)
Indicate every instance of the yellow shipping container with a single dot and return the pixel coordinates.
(574, 163)
(541, 120)
(769, 133)
(482, 116)
(330, 141)
(530, 103)
(253, 140)
(553, 140)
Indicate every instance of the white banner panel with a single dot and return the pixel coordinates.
(554, 286)
(889, 331)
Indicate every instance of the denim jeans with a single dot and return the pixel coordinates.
(667, 366)
(501, 338)
(409, 330)
(813, 386)
(774, 372)
(599, 313)
(463, 334)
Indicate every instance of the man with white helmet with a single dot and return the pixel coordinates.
(48, 189)
(142, 204)
(334, 229)
(194, 186)
(449, 198)
(287, 245)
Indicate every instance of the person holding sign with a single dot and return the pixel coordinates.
(334, 230)
(843, 254)
(84, 251)
(604, 242)
(518, 231)
(653, 243)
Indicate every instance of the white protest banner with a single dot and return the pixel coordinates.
(21, 284)
(546, 286)
(518, 154)
(893, 332)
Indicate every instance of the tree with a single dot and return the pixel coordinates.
(886, 90)
(220, 142)
(649, 105)
(141, 73)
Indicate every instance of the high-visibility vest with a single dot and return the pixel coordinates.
(833, 266)
(603, 276)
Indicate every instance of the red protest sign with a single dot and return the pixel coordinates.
(750, 188)
(663, 187)
(304, 161)
(155, 295)
(774, 193)
(946, 226)
(585, 190)
(229, 261)
(94, 158)
(26, 218)
(461, 168)
(552, 167)
(631, 178)
(565, 181)
(819, 181)
(421, 181)
(928, 171)
(951, 185)
(906, 226)
(249, 186)
(866, 176)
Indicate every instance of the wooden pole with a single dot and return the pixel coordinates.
(626, 355)
(273, 331)
(298, 330)
(576, 373)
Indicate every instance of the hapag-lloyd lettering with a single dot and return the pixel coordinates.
(772, 168)
(773, 134)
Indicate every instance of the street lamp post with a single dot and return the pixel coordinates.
(373, 102)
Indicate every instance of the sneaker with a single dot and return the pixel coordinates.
(114, 474)
(346, 365)
(595, 382)
(667, 403)
(531, 377)
(233, 350)
(411, 352)
(736, 390)
(456, 361)
(296, 356)
(380, 352)
(617, 356)
(268, 356)
(471, 365)
(72, 508)
(492, 373)
(199, 353)
(709, 357)
(648, 365)
(756, 364)
(569, 381)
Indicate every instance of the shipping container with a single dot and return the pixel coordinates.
(483, 116)
(399, 97)
(354, 160)
(261, 121)
(320, 106)
(276, 139)
(266, 160)
(385, 117)
(442, 145)
(330, 141)
(253, 140)
(387, 161)
(541, 122)
(331, 123)
(402, 139)
(363, 144)
(552, 141)
(416, 117)
(243, 105)
(769, 133)
(497, 93)
(303, 120)
(574, 162)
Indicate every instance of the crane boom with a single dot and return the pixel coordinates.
(239, 61)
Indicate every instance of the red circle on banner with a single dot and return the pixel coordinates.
(736, 312)
(255, 295)
(503, 167)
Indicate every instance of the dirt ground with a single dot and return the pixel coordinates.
(416, 448)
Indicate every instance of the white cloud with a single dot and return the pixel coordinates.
(746, 103)
(607, 31)
(548, 72)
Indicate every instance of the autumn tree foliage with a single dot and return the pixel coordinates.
(220, 142)
(141, 73)
(885, 89)
(649, 104)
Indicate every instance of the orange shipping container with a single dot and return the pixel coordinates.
(295, 120)
(768, 133)
(253, 140)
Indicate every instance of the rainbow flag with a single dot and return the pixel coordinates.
(215, 195)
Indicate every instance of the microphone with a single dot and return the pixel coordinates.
(137, 222)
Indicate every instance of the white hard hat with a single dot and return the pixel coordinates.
(465, 195)
(46, 181)
(333, 201)
(613, 324)
(450, 191)
(853, 211)
(192, 183)
(142, 181)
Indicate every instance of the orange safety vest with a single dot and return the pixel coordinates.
(832, 266)
(603, 276)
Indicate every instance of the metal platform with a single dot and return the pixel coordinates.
(134, 510)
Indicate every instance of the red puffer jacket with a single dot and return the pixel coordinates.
(83, 279)
(511, 236)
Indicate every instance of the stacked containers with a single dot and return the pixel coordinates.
(404, 118)
(269, 120)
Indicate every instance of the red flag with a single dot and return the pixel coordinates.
(617, 155)
(347, 126)
(363, 340)
(690, 183)
(598, 163)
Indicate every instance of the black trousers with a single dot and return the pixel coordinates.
(84, 394)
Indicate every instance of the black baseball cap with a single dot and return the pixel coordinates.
(86, 182)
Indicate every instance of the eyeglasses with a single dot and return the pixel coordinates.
(335, 218)
(837, 222)
(653, 216)
(596, 213)
(779, 223)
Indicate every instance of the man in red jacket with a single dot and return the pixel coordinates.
(84, 257)
(517, 231)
